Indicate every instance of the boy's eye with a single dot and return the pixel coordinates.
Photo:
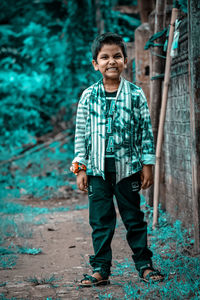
(116, 56)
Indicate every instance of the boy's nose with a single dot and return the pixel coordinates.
(112, 61)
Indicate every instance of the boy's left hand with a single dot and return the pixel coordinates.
(146, 176)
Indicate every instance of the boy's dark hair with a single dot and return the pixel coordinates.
(108, 38)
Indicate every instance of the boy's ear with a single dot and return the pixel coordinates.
(95, 65)
(125, 62)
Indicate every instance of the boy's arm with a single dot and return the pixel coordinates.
(146, 176)
(79, 144)
(147, 142)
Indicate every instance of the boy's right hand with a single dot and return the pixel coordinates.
(82, 181)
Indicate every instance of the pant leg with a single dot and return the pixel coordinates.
(102, 218)
(128, 200)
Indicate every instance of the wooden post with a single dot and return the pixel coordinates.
(194, 89)
(157, 67)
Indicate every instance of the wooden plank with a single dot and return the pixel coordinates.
(194, 88)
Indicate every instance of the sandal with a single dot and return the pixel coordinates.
(149, 277)
(93, 280)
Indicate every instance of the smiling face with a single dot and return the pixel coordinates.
(110, 62)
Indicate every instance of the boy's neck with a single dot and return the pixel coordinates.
(110, 85)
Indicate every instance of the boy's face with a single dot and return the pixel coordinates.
(110, 61)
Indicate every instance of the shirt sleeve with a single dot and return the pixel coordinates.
(147, 143)
(81, 119)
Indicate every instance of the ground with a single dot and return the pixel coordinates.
(66, 243)
(64, 238)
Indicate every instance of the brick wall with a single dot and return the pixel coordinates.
(176, 181)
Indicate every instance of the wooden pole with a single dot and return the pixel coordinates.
(162, 118)
(194, 90)
(157, 68)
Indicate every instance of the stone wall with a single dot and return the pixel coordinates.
(128, 71)
(176, 181)
(142, 34)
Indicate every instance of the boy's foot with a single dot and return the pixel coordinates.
(94, 280)
(151, 275)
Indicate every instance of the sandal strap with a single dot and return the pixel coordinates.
(104, 273)
(153, 273)
(90, 278)
(145, 267)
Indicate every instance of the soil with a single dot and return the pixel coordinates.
(65, 240)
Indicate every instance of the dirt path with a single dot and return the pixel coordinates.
(66, 243)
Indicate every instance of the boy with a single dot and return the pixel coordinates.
(114, 154)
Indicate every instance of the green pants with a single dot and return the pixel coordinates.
(102, 218)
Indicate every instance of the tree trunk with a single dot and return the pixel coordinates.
(99, 19)
(145, 8)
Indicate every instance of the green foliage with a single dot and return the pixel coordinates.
(115, 21)
(45, 63)
(31, 84)
(38, 174)
(42, 60)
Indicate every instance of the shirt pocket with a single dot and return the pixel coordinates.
(136, 182)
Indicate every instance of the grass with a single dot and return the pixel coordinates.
(30, 251)
(38, 174)
(14, 218)
(44, 280)
(170, 242)
(172, 248)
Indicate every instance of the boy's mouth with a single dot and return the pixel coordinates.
(112, 69)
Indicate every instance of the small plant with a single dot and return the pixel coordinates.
(40, 281)
(2, 284)
(32, 251)
(106, 296)
(7, 261)
(125, 268)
